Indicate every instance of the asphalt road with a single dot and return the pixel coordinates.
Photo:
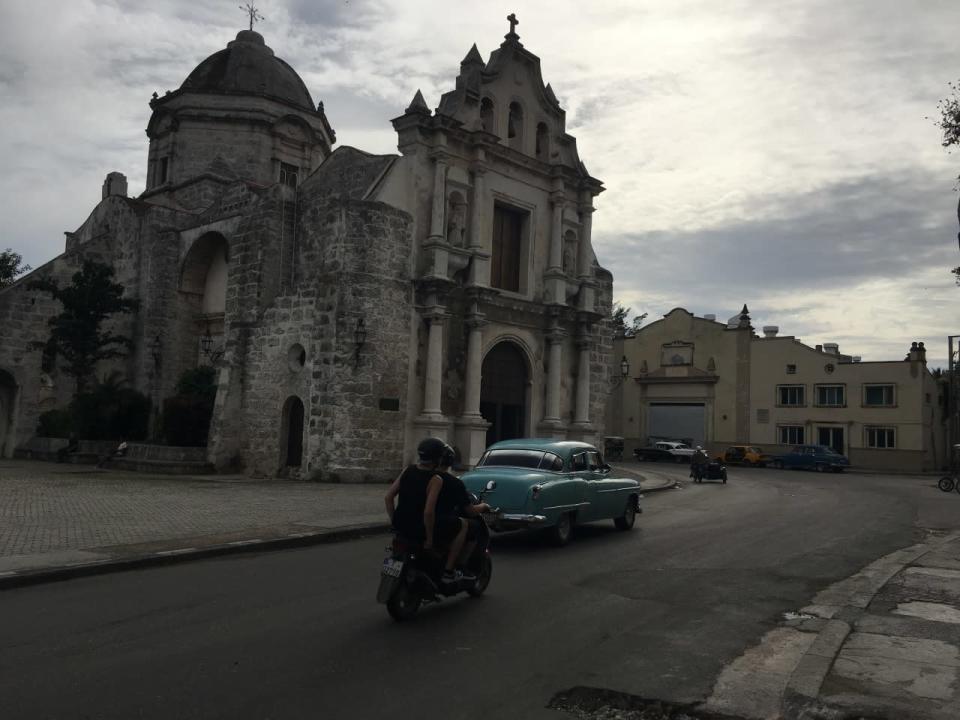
(296, 634)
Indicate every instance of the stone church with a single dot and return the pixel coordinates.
(352, 303)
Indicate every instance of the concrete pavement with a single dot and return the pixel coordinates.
(60, 521)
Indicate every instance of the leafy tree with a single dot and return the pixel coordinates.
(949, 124)
(76, 334)
(11, 267)
(621, 326)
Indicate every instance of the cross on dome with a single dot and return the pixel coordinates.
(253, 12)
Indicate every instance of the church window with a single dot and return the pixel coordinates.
(515, 126)
(163, 171)
(507, 238)
(543, 142)
(486, 115)
(289, 174)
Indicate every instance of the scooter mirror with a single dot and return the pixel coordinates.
(491, 484)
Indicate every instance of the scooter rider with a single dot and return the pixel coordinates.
(411, 504)
(698, 462)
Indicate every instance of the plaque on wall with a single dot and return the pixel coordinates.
(676, 353)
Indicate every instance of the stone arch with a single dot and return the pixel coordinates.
(9, 395)
(488, 115)
(515, 123)
(542, 147)
(505, 381)
(291, 433)
(203, 295)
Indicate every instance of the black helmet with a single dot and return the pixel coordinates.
(431, 450)
(449, 456)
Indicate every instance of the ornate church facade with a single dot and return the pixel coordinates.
(351, 303)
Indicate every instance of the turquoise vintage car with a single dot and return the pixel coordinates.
(551, 484)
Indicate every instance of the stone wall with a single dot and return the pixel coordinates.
(357, 254)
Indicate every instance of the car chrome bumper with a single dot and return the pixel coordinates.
(514, 521)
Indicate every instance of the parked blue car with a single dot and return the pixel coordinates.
(553, 485)
(812, 457)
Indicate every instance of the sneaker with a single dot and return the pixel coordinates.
(449, 577)
(468, 575)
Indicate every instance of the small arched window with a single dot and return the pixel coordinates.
(515, 126)
(543, 142)
(486, 115)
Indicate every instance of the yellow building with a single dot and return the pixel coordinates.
(717, 384)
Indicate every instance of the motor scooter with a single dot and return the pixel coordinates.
(411, 576)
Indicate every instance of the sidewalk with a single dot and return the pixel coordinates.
(60, 521)
(889, 645)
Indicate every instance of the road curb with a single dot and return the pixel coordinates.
(849, 598)
(36, 576)
(15, 579)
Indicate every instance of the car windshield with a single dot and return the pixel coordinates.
(755, 450)
(512, 458)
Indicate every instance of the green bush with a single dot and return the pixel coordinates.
(186, 415)
(55, 423)
(107, 412)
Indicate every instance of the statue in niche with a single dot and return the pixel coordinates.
(457, 221)
(570, 254)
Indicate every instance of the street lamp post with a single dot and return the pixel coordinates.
(953, 399)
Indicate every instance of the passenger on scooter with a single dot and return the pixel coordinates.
(411, 504)
(456, 501)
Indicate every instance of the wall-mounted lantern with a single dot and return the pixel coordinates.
(206, 346)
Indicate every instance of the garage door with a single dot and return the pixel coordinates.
(676, 421)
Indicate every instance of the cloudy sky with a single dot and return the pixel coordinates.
(778, 153)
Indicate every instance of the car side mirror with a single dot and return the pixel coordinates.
(491, 484)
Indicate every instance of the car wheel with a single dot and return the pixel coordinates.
(746, 462)
(561, 532)
(629, 517)
(778, 464)
(820, 467)
(483, 578)
(946, 483)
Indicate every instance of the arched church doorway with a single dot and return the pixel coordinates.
(292, 436)
(8, 396)
(203, 294)
(503, 392)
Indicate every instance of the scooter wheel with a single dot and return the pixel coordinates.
(483, 578)
(404, 603)
(946, 483)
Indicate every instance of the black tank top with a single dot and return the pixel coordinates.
(411, 500)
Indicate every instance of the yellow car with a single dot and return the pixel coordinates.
(744, 455)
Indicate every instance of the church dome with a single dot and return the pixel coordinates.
(248, 67)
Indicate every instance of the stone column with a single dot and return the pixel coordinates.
(556, 232)
(585, 254)
(582, 412)
(437, 229)
(555, 366)
(433, 377)
(479, 245)
(585, 260)
(471, 394)
(471, 427)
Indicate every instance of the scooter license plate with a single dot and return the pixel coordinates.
(392, 568)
